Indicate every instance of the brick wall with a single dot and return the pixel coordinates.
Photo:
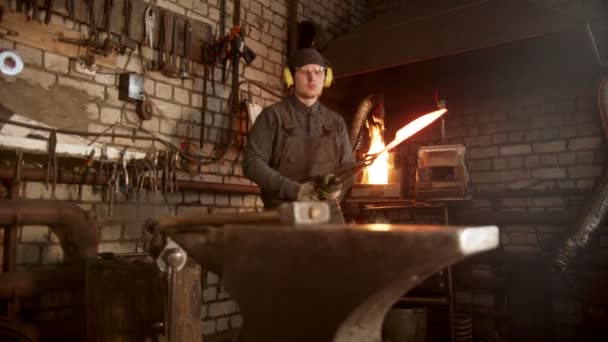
(535, 151)
(72, 100)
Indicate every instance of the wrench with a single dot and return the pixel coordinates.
(49, 10)
(185, 61)
(150, 18)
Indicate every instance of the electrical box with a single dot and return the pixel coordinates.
(441, 172)
(131, 87)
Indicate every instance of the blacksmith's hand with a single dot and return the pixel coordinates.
(329, 187)
(308, 192)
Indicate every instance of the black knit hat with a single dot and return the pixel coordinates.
(305, 56)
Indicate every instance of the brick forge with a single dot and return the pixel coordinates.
(527, 114)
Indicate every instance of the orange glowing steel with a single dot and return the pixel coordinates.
(414, 127)
(377, 172)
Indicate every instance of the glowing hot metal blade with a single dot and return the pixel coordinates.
(414, 127)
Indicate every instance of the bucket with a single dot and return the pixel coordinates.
(405, 325)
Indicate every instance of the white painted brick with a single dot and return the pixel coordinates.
(111, 232)
(222, 324)
(118, 247)
(222, 308)
(28, 254)
(110, 115)
(186, 3)
(256, 75)
(204, 311)
(160, 77)
(209, 327)
(66, 192)
(169, 110)
(584, 143)
(91, 89)
(34, 234)
(34, 76)
(105, 79)
(213, 104)
(112, 97)
(52, 254)
(210, 294)
(236, 321)
(164, 91)
(57, 63)
(149, 86)
(37, 190)
(29, 55)
(275, 56)
(212, 278)
(260, 49)
(214, 14)
(171, 6)
(200, 7)
(197, 100)
(133, 230)
(151, 125)
(134, 63)
(181, 95)
(6, 44)
(92, 111)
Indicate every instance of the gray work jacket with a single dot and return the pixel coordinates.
(285, 137)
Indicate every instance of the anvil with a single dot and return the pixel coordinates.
(326, 282)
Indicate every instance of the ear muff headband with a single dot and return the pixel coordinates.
(329, 77)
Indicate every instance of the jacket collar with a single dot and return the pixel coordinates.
(301, 107)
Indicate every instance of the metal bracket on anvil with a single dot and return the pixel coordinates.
(166, 255)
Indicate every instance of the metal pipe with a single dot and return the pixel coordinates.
(76, 230)
(596, 209)
(69, 177)
(292, 27)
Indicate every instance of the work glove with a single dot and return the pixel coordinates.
(329, 188)
(307, 192)
(324, 188)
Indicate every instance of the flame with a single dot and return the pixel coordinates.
(377, 172)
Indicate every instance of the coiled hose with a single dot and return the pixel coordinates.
(365, 107)
(596, 209)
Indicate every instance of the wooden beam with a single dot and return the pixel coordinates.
(46, 37)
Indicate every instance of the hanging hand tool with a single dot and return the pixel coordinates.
(52, 161)
(93, 34)
(126, 43)
(162, 42)
(149, 19)
(108, 43)
(185, 61)
(48, 9)
(70, 6)
(222, 32)
(84, 171)
(35, 10)
(159, 65)
(171, 71)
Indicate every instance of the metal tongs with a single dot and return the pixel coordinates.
(402, 134)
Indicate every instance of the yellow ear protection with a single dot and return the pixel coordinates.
(329, 76)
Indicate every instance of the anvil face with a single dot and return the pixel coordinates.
(327, 282)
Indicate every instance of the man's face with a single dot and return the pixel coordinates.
(309, 80)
